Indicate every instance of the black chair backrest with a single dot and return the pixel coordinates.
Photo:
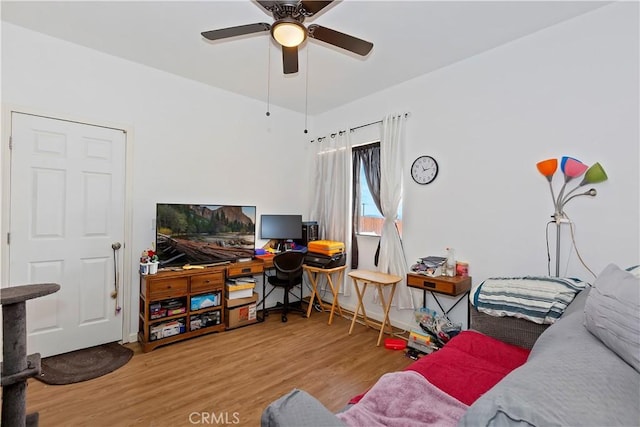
(289, 265)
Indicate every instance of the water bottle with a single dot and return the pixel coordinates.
(450, 264)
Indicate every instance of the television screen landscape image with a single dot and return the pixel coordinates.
(204, 234)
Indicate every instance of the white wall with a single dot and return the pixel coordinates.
(571, 89)
(191, 143)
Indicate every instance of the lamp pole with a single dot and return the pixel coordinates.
(559, 218)
(558, 229)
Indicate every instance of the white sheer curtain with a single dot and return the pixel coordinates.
(331, 189)
(392, 259)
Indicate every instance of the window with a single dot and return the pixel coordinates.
(367, 216)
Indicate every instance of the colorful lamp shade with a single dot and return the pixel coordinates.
(594, 175)
(572, 168)
(547, 167)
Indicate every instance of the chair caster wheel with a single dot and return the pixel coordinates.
(284, 319)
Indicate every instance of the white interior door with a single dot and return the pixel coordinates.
(67, 209)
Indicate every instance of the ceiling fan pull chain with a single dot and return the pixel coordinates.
(268, 75)
(306, 93)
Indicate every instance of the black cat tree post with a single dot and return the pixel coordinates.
(17, 367)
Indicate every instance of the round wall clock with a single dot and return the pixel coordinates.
(424, 170)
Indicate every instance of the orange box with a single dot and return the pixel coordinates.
(326, 247)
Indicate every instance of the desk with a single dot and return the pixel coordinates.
(312, 273)
(379, 280)
(267, 264)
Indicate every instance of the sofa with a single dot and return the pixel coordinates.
(584, 369)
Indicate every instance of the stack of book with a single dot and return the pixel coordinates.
(429, 266)
(421, 341)
(241, 287)
(240, 302)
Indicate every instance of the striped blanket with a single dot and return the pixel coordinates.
(540, 299)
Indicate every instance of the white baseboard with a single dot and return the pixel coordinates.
(373, 316)
(378, 318)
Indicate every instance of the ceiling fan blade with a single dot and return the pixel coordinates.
(268, 5)
(341, 40)
(236, 31)
(290, 59)
(315, 6)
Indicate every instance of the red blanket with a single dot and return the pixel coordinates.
(469, 365)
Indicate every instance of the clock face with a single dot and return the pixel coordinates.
(424, 170)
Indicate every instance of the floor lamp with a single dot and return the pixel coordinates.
(571, 169)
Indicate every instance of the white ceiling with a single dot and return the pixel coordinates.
(410, 38)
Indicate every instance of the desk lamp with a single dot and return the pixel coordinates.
(571, 168)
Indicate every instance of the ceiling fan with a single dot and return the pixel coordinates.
(288, 30)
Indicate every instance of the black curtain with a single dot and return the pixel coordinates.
(367, 157)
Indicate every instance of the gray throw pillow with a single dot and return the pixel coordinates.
(612, 313)
(298, 409)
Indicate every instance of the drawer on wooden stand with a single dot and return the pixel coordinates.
(442, 284)
(248, 268)
(167, 288)
(207, 282)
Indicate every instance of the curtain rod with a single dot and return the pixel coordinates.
(406, 115)
(333, 135)
(373, 123)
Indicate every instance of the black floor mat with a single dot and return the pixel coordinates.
(85, 364)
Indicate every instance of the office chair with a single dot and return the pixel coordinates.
(288, 274)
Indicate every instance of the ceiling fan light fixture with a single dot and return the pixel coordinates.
(288, 32)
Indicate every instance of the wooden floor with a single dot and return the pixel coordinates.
(227, 377)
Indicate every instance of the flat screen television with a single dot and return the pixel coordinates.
(281, 227)
(204, 234)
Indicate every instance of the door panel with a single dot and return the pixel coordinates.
(67, 208)
(46, 307)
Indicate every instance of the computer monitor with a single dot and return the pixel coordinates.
(280, 227)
